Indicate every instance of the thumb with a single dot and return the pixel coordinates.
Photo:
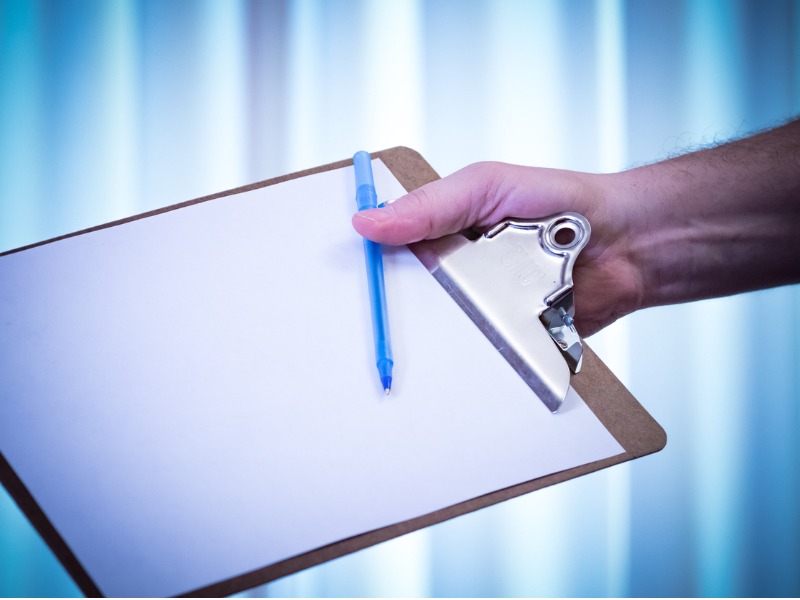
(444, 206)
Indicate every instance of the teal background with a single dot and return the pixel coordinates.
(110, 108)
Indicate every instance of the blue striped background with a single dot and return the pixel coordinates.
(109, 108)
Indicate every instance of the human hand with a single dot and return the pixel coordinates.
(607, 280)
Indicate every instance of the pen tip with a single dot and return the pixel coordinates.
(386, 380)
(387, 391)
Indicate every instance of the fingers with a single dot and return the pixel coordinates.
(444, 206)
(479, 195)
(608, 284)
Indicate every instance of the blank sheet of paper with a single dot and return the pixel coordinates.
(193, 395)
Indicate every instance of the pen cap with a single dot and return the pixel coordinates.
(365, 186)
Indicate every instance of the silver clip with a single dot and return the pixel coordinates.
(515, 283)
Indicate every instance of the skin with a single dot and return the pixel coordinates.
(719, 221)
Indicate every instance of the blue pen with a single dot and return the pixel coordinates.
(367, 198)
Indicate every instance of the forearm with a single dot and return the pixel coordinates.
(718, 221)
(710, 223)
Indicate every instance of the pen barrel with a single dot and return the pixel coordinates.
(366, 197)
(377, 300)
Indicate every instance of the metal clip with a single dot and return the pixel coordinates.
(515, 283)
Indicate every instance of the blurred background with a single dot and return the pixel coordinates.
(110, 108)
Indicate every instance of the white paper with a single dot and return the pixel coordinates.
(193, 395)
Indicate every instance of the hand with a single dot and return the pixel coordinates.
(608, 283)
(719, 221)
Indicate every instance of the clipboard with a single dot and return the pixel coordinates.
(618, 411)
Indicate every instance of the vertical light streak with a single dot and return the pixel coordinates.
(225, 93)
(526, 110)
(718, 410)
(714, 80)
(73, 96)
(298, 585)
(304, 77)
(714, 89)
(526, 125)
(303, 121)
(400, 567)
(192, 99)
(119, 109)
(23, 555)
(392, 48)
(615, 349)
(612, 107)
(21, 123)
(535, 542)
(392, 115)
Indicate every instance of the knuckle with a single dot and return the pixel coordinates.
(421, 202)
(419, 199)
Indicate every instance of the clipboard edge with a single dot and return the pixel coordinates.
(38, 519)
(412, 170)
(365, 540)
(157, 211)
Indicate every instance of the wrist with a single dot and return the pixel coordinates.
(609, 275)
(662, 237)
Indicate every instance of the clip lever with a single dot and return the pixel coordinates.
(515, 283)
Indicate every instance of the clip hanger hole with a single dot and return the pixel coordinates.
(565, 234)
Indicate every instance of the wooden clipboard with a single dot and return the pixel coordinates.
(635, 430)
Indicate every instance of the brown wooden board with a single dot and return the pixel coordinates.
(635, 430)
